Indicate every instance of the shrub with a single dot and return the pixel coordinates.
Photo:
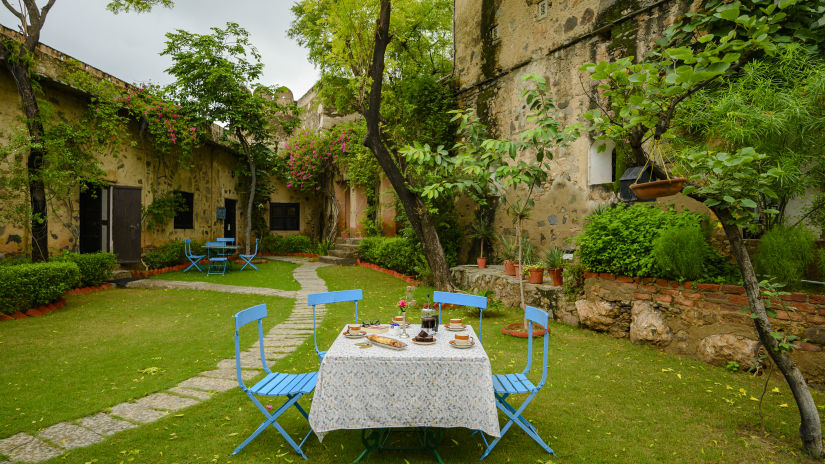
(680, 253)
(785, 253)
(277, 244)
(170, 254)
(396, 253)
(368, 247)
(620, 240)
(27, 286)
(95, 268)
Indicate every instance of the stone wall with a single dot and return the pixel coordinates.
(701, 321)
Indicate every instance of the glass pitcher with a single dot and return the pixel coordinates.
(429, 320)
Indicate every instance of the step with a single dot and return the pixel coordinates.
(341, 253)
(347, 241)
(121, 274)
(337, 261)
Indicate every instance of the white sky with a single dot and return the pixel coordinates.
(127, 46)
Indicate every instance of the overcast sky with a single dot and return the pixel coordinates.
(127, 46)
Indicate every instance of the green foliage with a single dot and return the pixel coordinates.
(573, 275)
(27, 286)
(138, 6)
(680, 253)
(290, 244)
(163, 209)
(508, 248)
(553, 258)
(170, 254)
(621, 240)
(784, 253)
(397, 253)
(95, 268)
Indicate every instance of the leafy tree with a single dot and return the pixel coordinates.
(643, 99)
(18, 54)
(355, 54)
(217, 80)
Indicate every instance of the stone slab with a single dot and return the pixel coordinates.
(70, 436)
(209, 384)
(137, 413)
(166, 401)
(199, 394)
(104, 424)
(26, 448)
(231, 374)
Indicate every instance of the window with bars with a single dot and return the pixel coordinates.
(184, 217)
(284, 216)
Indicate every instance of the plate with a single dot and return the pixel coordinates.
(423, 343)
(351, 336)
(462, 347)
(376, 329)
(382, 345)
(456, 329)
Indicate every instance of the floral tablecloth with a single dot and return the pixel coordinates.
(420, 386)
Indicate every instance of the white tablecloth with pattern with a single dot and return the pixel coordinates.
(420, 386)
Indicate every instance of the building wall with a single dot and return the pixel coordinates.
(498, 42)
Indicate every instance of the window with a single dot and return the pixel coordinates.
(541, 9)
(184, 217)
(284, 216)
(601, 164)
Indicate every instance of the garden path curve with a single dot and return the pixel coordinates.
(280, 341)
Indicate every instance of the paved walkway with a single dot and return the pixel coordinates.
(279, 342)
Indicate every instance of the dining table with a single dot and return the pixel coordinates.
(426, 388)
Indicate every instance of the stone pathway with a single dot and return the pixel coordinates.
(279, 342)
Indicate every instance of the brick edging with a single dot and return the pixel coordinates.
(409, 279)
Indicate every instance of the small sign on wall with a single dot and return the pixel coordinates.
(221, 213)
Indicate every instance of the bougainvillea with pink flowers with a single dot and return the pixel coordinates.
(311, 157)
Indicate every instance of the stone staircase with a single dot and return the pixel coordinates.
(344, 253)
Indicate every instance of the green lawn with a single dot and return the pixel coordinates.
(272, 274)
(89, 355)
(606, 401)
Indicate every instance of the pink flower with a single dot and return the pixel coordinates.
(402, 304)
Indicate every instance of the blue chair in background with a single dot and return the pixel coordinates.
(248, 258)
(505, 385)
(314, 299)
(217, 263)
(227, 241)
(291, 386)
(193, 258)
(462, 299)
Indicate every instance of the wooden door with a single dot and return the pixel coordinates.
(91, 220)
(126, 223)
(229, 223)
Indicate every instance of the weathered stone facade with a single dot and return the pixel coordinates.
(498, 42)
(211, 179)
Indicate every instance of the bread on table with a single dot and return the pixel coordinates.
(385, 340)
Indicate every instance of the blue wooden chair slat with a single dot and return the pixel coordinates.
(193, 258)
(248, 258)
(462, 299)
(275, 384)
(340, 296)
(228, 241)
(505, 385)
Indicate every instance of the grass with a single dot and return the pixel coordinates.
(272, 274)
(606, 401)
(112, 346)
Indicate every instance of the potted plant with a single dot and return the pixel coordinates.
(528, 257)
(481, 230)
(535, 273)
(657, 188)
(508, 254)
(553, 261)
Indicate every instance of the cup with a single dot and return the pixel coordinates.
(463, 340)
(354, 329)
(455, 323)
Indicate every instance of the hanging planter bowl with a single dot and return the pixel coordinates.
(658, 188)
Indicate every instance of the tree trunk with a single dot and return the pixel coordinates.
(37, 191)
(252, 185)
(416, 210)
(810, 429)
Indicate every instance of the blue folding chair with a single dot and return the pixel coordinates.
(248, 258)
(291, 386)
(462, 299)
(314, 299)
(187, 250)
(227, 241)
(514, 384)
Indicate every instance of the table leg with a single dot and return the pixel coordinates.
(429, 440)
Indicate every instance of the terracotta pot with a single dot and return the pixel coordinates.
(509, 267)
(555, 276)
(536, 276)
(658, 188)
(482, 263)
(516, 329)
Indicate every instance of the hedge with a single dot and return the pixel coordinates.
(277, 244)
(170, 254)
(396, 253)
(95, 268)
(28, 286)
